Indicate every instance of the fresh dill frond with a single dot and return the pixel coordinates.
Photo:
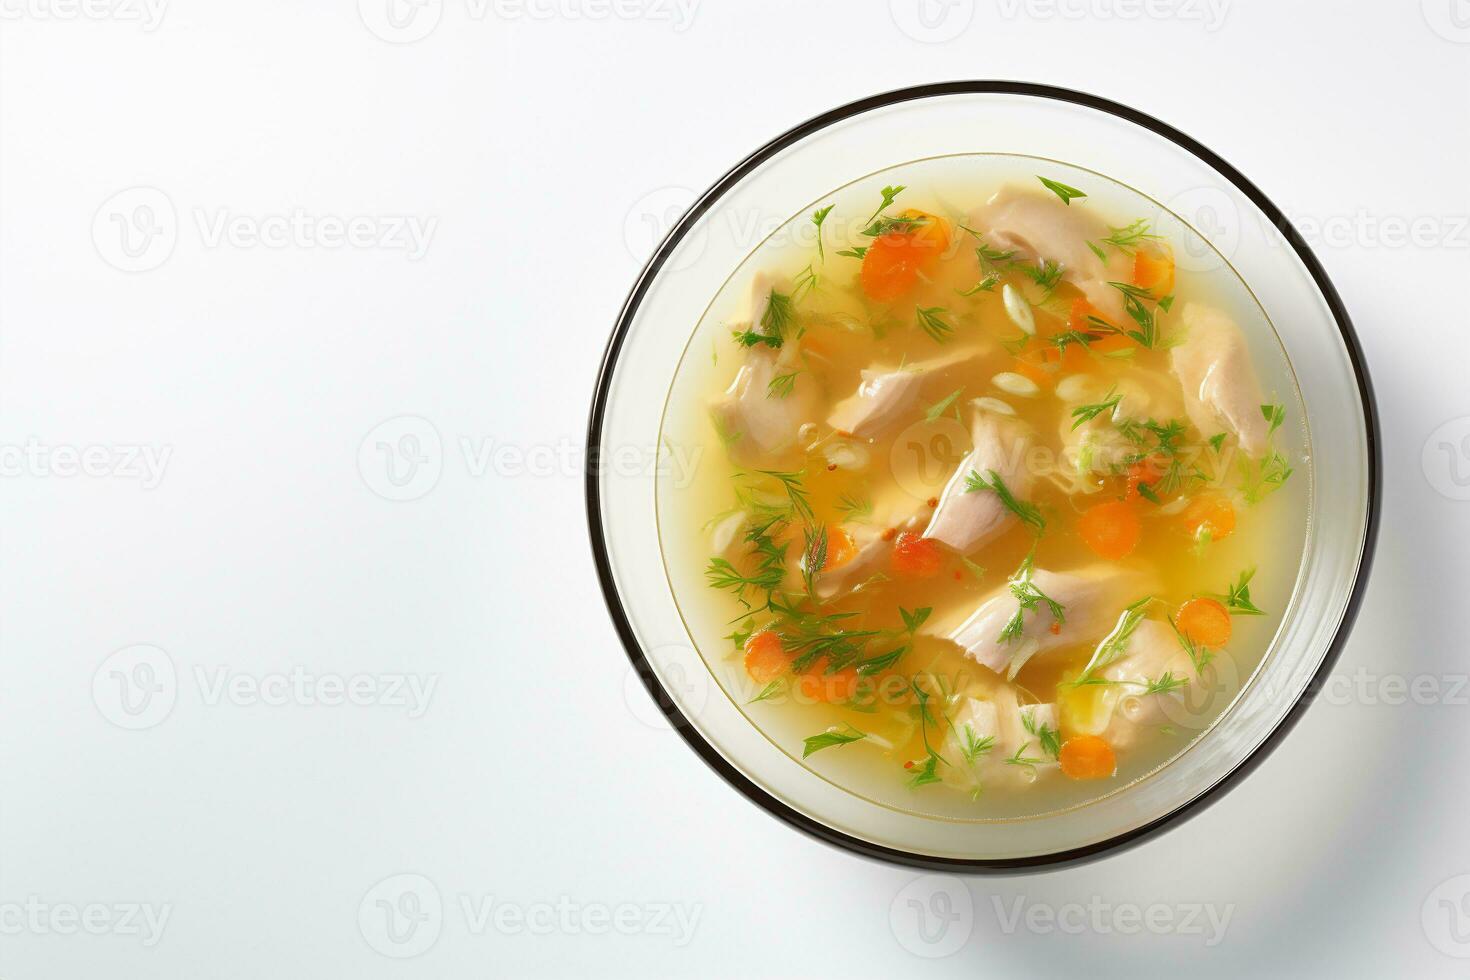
(1029, 514)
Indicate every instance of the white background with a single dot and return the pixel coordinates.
(532, 139)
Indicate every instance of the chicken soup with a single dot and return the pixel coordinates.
(1002, 493)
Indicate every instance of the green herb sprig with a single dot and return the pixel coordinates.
(1061, 190)
(1029, 514)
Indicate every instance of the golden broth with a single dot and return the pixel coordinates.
(841, 333)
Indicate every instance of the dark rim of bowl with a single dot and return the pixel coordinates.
(707, 752)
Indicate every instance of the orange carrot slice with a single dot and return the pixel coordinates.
(1087, 757)
(1204, 621)
(1110, 529)
(765, 657)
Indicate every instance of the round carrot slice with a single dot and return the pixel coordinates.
(1111, 529)
(1087, 757)
(1210, 514)
(1205, 621)
(765, 657)
(915, 556)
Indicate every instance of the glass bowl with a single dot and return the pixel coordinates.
(1227, 219)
